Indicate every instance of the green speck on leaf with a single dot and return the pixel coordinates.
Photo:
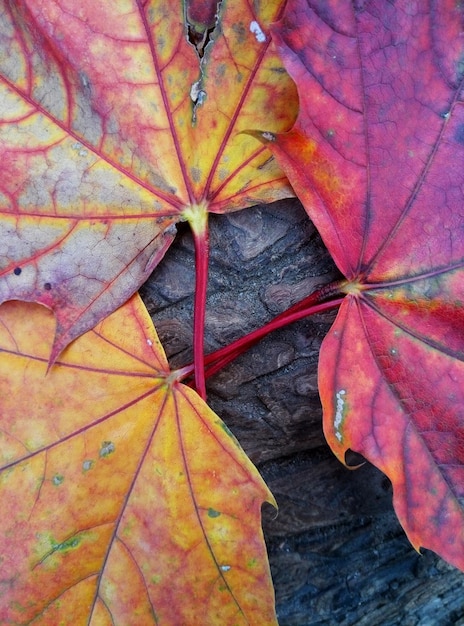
(57, 479)
(69, 544)
(227, 430)
(213, 513)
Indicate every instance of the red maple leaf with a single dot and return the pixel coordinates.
(377, 157)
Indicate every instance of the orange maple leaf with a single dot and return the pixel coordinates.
(128, 500)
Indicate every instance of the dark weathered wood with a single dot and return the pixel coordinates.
(337, 552)
(339, 556)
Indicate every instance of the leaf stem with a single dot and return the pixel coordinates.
(310, 305)
(197, 216)
(222, 357)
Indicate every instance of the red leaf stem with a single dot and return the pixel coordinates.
(310, 305)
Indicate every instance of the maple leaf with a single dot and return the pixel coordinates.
(112, 130)
(377, 157)
(128, 499)
(201, 17)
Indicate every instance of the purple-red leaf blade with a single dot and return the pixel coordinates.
(397, 401)
(377, 157)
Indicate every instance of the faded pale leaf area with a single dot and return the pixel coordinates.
(112, 130)
(134, 501)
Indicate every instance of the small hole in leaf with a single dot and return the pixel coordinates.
(199, 39)
(47, 286)
(354, 459)
(17, 271)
